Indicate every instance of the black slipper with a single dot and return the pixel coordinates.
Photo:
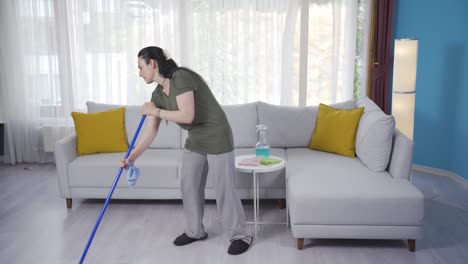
(183, 239)
(239, 246)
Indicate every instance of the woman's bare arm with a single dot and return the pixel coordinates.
(185, 114)
(146, 137)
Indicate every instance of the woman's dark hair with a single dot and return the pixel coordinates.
(166, 66)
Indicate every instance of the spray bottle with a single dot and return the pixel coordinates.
(262, 148)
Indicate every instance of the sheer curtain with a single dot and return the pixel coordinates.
(28, 71)
(104, 38)
(56, 55)
(331, 51)
(238, 47)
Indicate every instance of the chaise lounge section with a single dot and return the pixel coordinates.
(349, 200)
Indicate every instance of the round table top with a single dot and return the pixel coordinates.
(261, 167)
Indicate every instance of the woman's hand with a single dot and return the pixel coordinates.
(149, 108)
(124, 163)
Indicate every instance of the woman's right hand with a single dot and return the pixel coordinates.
(124, 163)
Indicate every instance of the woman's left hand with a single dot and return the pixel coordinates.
(148, 108)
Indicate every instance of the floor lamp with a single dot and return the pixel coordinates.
(404, 84)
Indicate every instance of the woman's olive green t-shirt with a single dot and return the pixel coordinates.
(210, 132)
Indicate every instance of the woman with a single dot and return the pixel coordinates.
(183, 97)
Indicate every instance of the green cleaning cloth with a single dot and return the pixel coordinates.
(270, 161)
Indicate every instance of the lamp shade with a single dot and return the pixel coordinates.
(404, 84)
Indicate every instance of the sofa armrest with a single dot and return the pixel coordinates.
(401, 159)
(65, 152)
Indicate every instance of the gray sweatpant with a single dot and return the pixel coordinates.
(194, 173)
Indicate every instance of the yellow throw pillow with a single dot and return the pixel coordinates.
(100, 132)
(335, 130)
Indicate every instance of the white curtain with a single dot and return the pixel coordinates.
(56, 55)
(238, 47)
(331, 51)
(104, 38)
(27, 67)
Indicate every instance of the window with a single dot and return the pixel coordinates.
(246, 50)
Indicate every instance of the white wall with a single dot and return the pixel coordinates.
(2, 120)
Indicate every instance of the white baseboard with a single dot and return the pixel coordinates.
(457, 178)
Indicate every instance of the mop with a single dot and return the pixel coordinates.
(131, 183)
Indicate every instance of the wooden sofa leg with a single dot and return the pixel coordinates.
(281, 203)
(300, 243)
(411, 245)
(69, 203)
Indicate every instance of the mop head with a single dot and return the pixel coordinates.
(132, 174)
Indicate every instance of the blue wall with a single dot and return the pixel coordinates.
(441, 118)
(460, 158)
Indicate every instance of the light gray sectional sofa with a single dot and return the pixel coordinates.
(328, 195)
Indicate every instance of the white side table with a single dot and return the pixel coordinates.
(255, 170)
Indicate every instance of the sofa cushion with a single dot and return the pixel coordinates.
(100, 132)
(290, 126)
(169, 133)
(243, 120)
(325, 188)
(335, 130)
(159, 168)
(374, 135)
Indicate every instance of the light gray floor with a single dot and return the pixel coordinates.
(36, 227)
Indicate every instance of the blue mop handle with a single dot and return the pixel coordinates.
(98, 221)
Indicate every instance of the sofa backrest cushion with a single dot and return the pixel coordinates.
(291, 126)
(243, 119)
(168, 134)
(374, 135)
